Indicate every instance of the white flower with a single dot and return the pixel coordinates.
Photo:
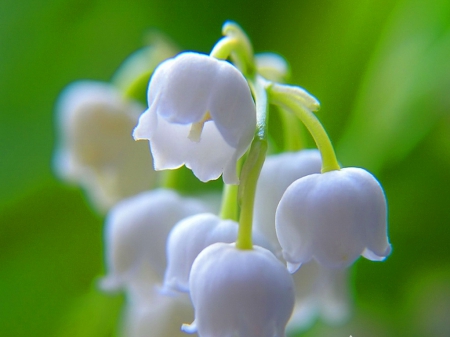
(278, 172)
(189, 237)
(136, 231)
(157, 316)
(240, 293)
(96, 149)
(334, 218)
(201, 114)
(320, 292)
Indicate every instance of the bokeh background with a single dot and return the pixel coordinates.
(381, 69)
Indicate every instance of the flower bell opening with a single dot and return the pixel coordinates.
(197, 128)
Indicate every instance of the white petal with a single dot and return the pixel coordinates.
(136, 231)
(96, 149)
(240, 292)
(188, 238)
(331, 217)
(278, 172)
(159, 316)
(193, 88)
(320, 292)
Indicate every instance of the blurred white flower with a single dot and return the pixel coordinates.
(157, 316)
(334, 218)
(189, 237)
(242, 293)
(96, 149)
(320, 292)
(278, 172)
(136, 232)
(201, 114)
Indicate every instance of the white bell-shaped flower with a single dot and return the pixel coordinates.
(320, 292)
(189, 237)
(240, 293)
(334, 218)
(277, 173)
(136, 232)
(96, 149)
(157, 316)
(201, 114)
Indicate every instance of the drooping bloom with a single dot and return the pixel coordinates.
(320, 292)
(333, 218)
(96, 149)
(157, 316)
(189, 237)
(242, 293)
(278, 172)
(136, 232)
(201, 114)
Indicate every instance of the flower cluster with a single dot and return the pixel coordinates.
(276, 255)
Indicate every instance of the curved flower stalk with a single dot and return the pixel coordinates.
(240, 293)
(157, 316)
(201, 114)
(278, 172)
(333, 217)
(320, 292)
(136, 232)
(189, 237)
(95, 147)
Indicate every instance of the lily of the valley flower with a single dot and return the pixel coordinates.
(96, 149)
(320, 292)
(136, 232)
(189, 237)
(157, 316)
(333, 218)
(201, 114)
(242, 293)
(278, 172)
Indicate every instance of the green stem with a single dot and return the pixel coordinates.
(293, 139)
(329, 161)
(252, 167)
(228, 209)
(249, 178)
(235, 45)
(170, 179)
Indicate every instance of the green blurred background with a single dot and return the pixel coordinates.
(381, 69)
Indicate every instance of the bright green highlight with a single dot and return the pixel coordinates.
(252, 167)
(228, 209)
(293, 135)
(294, 104)
(171, 179)
(235, 45)
(249, 178)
